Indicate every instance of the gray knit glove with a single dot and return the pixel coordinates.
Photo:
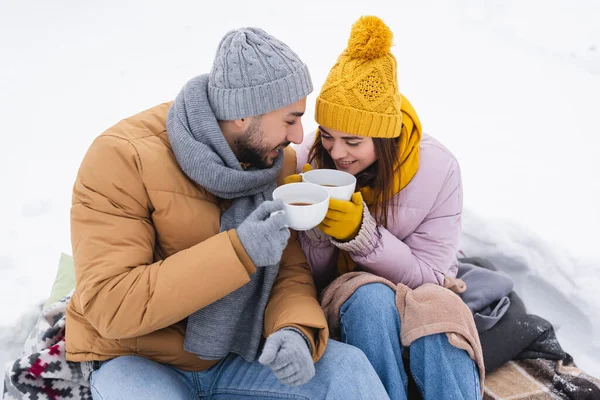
(287, 353)
(264, 233)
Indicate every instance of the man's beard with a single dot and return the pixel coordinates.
(250, 149)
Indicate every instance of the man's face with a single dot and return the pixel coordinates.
(266, 135)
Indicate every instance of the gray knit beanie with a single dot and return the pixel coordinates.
(253, 74)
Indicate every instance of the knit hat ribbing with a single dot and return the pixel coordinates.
(255, 73)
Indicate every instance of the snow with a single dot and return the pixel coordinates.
(511, 87)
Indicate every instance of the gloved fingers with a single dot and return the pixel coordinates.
(282, 360)
(357, 198)
(300, 377)
(287, 371)
(278, 220)
(328, 223)
(324, 228)
(270, 350)
(299, 381)
(334, 215)
(265, 210)
(306, 168)
(267, 357)
(341, 205)
(296, 178)
(284, 238)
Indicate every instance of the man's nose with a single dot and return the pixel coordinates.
(296, 134)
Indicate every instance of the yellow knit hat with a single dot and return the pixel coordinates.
(360, 95)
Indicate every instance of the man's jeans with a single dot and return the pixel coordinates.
(369, 320)
(342, 373)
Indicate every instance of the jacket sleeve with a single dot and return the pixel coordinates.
(293, 301)
(424, 256)
(123, 293)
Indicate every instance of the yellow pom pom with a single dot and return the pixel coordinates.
(370, 38)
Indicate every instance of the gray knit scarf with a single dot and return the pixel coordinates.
(234, 323)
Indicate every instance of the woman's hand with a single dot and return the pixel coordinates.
(343, 218)
(296, 178)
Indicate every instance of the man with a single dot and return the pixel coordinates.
(184, 264)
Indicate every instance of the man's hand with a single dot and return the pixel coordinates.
(287, 353)
(265, 233)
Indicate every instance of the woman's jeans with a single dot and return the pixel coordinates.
(369, 320)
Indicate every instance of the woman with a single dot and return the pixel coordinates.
(403, 223)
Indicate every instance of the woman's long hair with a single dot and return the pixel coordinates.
(379, 176)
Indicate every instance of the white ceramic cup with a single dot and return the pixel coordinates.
(305, 204)
(340, 184)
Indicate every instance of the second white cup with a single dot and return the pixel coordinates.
(340, 184)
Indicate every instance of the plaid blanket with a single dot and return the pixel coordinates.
(541, 379)
(42, 372)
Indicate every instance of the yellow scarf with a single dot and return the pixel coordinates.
(410, 139)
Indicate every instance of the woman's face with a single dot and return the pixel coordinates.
(350, 153)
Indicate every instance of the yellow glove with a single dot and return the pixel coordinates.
(343, 219)
(296, 177)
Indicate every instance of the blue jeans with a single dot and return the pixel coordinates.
(342, 373)
(369, 320)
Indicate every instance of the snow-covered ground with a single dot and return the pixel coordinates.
(511, 87)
